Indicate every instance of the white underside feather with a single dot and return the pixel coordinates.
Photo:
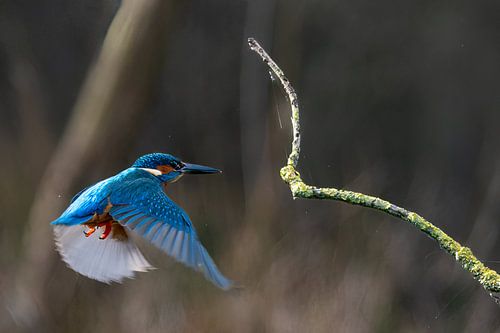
(107, 260)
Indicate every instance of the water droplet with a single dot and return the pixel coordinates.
(271, 75)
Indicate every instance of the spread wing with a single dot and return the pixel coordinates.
(142, 206)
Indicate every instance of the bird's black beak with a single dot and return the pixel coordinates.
(197, 169)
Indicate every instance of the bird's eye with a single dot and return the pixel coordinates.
(177, 165)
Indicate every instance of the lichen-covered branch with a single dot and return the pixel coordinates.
(293, 159)
(487, 277)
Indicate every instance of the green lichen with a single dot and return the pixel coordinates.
(487, 277)
(290, 175)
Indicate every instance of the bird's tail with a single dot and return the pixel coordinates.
(106, 260)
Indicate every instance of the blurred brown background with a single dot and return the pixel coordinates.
(399, 99)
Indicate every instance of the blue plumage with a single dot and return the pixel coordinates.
(134, 200)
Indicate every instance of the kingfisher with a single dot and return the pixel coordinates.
(134, 200)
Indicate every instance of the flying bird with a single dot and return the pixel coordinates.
(132, 201)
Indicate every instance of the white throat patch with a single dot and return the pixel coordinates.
(154, 172)
(176, 178)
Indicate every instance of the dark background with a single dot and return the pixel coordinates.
(399, 99)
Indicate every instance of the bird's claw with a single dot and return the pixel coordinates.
(107, 229)
(90, 231)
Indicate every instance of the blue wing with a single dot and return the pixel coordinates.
(142, 206)
(85, 203)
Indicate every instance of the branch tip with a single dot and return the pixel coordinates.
(488, 278)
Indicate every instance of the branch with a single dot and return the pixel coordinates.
(488, 278)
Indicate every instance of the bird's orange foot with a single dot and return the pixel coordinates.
(107, 230)
(90, 231)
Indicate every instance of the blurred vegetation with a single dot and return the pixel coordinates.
(400, 100)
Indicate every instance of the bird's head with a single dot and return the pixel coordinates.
(169, 168)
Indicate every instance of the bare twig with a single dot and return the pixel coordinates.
(488, 278)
